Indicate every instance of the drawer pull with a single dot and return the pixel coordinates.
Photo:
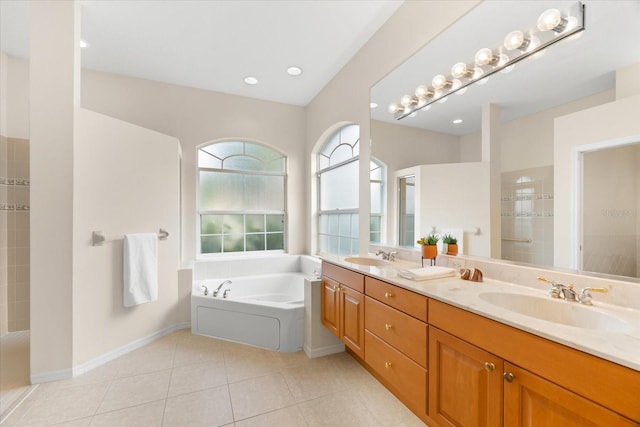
(387, 365)
(489, 366)
(388, 295)
(388, 326)
(508, 376)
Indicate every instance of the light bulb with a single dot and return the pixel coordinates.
(423, 91)
(408, 101)
(552, 20)
(456, 84)
(516, 40)
(460, 70)
(394, 107)
(502, 59)
(440, 82)
(421, 102)
(477, 73)
(485, 57)
(507, 70)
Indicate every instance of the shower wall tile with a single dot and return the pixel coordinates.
(15, 227)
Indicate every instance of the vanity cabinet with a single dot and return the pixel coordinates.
(343, 306)
(485, 373)
(396, 340)
(465, 384)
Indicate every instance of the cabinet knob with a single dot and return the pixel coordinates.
(508, 376)
(388, 295)
(387, 365)
(489, 366)
(387, 326)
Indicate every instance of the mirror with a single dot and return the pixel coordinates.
(571, 76)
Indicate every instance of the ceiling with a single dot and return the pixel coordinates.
(569, 70)
(214, 45)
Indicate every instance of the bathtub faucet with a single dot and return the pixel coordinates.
(217, 291)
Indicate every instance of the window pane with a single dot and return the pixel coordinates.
(333, 245)
(339, 187)
(331, 144)
(234, 242)
(254, 223)
(210, 244)
(225, 149)
(219, 191)
(323, 226)
(345, 225)
(243, 163)
(341, 154)
(205, 160)
(265, 154)
(264, 193)
(275, 241)
(345, 246)
(323, 162)
(277, 165)
(233, 224)
(350, 134)
(323, 243)
(355, 225)
(374, 229)
(333, 225)
(275, 223)
(210, 224)
(354, 246)
(255, 242)
(376, 197)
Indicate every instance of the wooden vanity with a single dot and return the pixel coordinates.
(452, 367)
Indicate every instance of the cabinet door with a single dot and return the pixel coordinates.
(530, 400)
(465, 383)
(330, 305)
(352, 319)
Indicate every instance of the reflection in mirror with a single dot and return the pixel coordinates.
(517, 138)
(611, 219)
(407, 206)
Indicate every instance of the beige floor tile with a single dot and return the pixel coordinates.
(148, 415)
(136, 390)
(259, 395)
(82, 422)
(251, 364)
(337, 410)
(387, 409)
(211, 407)
(143, 361)
(289, 417)
(74, 403)
(196, 377)
(198, 349)
(308, 383)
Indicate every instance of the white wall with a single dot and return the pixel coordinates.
(17, 98)
(4, 69)
(196, 116)
(126, 180)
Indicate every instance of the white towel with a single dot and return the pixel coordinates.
(426, 273)
(140, 268)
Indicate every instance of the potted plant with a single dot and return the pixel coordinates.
(429, 248)
(452, 244)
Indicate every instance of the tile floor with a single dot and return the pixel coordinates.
(14, 369)
(188, 380)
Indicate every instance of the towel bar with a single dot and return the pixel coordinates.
(516, 240)
(98, 238)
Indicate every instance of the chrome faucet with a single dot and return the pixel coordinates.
(585, 295)
(387, 256)
(206, 290)
(560, 291)
(226, 291)
(217, 291)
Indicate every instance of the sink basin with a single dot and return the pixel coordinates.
(562, 312)
(374, 262)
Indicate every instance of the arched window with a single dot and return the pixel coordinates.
(338, 192)
(242, 203)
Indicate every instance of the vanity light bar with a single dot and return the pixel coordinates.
(552, 26)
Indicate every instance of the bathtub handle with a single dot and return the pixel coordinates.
(206, 290)
(226, 291)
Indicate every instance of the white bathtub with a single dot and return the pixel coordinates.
(265, 310)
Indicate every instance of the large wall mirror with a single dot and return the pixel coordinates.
(452, 156)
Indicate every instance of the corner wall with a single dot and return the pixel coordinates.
(126, 180)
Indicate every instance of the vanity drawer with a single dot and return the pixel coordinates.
(347, 277)
(402, 373)
(407, 334)
(402, 299)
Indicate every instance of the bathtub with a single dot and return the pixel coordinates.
(264, 310)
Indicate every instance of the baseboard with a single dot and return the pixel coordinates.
(323, 351)
(107, 357)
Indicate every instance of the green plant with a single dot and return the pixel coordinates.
(430, 240)
(449, 239)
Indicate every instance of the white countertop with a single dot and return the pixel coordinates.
(619, 346)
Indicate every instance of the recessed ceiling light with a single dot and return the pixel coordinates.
(83, 44)
(373, 105)
(457, 121)
(294, 71)
(250, 80)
